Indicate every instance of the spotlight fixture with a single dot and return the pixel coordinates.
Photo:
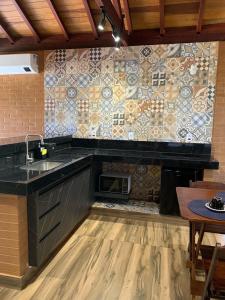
(102, 21)
(117, 47)
(116, 36)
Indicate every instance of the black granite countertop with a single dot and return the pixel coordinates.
(146, 157)
(78, 153)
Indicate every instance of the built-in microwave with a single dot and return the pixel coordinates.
(117, 183)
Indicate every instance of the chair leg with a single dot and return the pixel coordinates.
(210, 273)
(200, 238)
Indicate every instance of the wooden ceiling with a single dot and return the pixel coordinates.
(52, 24)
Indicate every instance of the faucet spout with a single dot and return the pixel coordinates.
(28, 157)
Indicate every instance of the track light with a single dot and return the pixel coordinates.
(102, 21)
(117, 47)
(115, 32)
(116, 36)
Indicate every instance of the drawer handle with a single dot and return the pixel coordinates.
(49, 232)
(49, 210)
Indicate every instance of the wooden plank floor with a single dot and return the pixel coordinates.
(111, 258)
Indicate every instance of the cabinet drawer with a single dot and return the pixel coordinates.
(48, 198)
(48, 244)
(48, 221)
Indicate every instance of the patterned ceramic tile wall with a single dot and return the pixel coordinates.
(145, 179)
(160, 92)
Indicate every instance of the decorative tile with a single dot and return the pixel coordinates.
(95, 68)
(146, 51)
(131, 66)
(132, 79)
(49, 104)
(107, 92)
(118, 119)
(186, 92)
(50, 80)
(119, 66)
(60, 92)
(71, 92)
(84, 80)
(95, 54)
(118, 93)
(202, 63)
(60, 55)
(83, 105)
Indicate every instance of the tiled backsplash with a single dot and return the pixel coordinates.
(145, 93)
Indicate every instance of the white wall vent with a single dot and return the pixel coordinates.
(18, 64)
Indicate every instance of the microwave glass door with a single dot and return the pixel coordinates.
(111, 184)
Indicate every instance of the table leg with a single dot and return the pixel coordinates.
(193, 257)
(190, 240)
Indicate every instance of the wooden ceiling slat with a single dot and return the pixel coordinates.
(162, 17)
(146, 20)
(26, 20)
(91, 18)
(127, 16)
(117, 6)
(180, 20)
(200, 15)
(58, 19)
(6, 32)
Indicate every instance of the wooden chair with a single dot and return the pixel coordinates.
(207, 228)
(214, 266)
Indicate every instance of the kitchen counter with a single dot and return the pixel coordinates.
(81, 152)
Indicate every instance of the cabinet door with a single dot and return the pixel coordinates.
(76, 200)
(170, 179)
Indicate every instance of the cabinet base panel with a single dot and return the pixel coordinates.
(20, 283)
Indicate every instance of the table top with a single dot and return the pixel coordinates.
(186, 195)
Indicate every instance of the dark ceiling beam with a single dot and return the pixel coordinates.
(117, 6)
(7, 34)
(115, 19)
(162, 16)
(200, 15)
(127, 16)
(170, 9)
(58, 19)
(138, 37)
(91, 18)
(26, 19)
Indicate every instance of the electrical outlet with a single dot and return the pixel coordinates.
(92, 132)
(130, 135)
(189, 138)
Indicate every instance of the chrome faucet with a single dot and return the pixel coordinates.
(30, 159)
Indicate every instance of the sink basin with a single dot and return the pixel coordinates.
(42, 166)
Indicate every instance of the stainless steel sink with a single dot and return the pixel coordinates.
(41, 166)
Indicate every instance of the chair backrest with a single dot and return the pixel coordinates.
(207, 185)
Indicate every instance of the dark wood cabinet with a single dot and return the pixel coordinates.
(53, 213)
(170, 179)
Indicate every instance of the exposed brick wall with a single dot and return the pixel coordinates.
(22, 104)
(218, 137)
